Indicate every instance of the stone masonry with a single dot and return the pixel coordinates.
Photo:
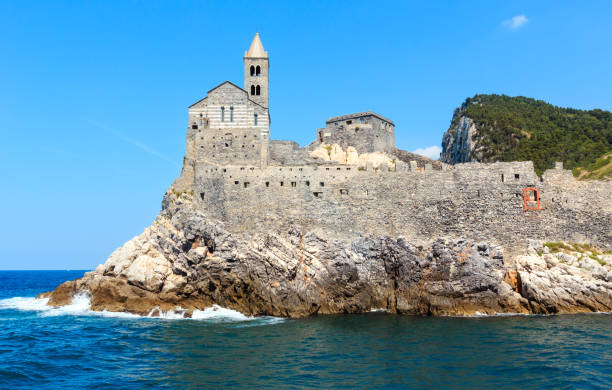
(251, 183)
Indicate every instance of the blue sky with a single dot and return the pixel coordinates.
(94, 95)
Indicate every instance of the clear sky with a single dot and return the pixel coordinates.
(94, 95)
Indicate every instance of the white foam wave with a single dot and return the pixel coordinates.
(80, 306)
(378, 310)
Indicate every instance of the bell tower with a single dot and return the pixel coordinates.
(256, 75)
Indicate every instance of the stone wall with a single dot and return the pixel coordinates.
(478, 201)
(367, 132)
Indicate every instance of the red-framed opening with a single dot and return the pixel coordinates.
(531, 198)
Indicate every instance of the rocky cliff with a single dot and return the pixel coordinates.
(490, 128)
(186, 261)
(458, 144)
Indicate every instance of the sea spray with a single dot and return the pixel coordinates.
(81, 304)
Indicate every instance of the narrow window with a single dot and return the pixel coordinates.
(231, 114)
(257, 71)
(246, 184)
(252, 90)
(293, 184)
(516, 176)
(202, 195)
(502, 177)
(257, 90)
(255, 119)
(282, 183)
(322, 184)
(252, 70)
(267, 184)
(222, 114)
(307, 183)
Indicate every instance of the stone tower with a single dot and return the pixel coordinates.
(256, 75)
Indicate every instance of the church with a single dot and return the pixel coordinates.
(236, 120)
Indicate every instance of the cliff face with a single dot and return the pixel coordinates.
(186, 260)
(458, 144)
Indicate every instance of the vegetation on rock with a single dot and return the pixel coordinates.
(521, 129)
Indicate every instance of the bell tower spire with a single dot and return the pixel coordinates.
(256, 72)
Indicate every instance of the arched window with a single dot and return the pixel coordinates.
(231, 114)
(257, 90)
(222, 114)
(257, 71)
(255, 119)
(252, 90)
(252, 70)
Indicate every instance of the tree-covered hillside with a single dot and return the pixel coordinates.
(520, 128)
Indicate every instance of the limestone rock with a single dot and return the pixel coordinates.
(186, 259)
(458, 144)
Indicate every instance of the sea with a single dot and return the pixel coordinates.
(72, 347)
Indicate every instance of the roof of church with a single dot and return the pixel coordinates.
(256, 50)
(232, 84)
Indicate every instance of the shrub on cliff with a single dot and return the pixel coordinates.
(521, 128)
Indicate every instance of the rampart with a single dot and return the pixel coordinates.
(478, 201)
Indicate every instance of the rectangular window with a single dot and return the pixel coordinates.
(231, 114)
(222, 114)
(255, 119)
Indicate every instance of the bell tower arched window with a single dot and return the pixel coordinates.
(252, 90)
(257, 90)
(252, 70)
(257, 71)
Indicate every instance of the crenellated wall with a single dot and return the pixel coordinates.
(469, 200)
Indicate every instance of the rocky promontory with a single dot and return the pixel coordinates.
(186, 261)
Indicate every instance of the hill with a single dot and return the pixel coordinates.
(490, 128)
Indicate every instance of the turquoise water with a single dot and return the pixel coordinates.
(74, 348)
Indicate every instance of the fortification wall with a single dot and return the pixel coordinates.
(470, 200)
